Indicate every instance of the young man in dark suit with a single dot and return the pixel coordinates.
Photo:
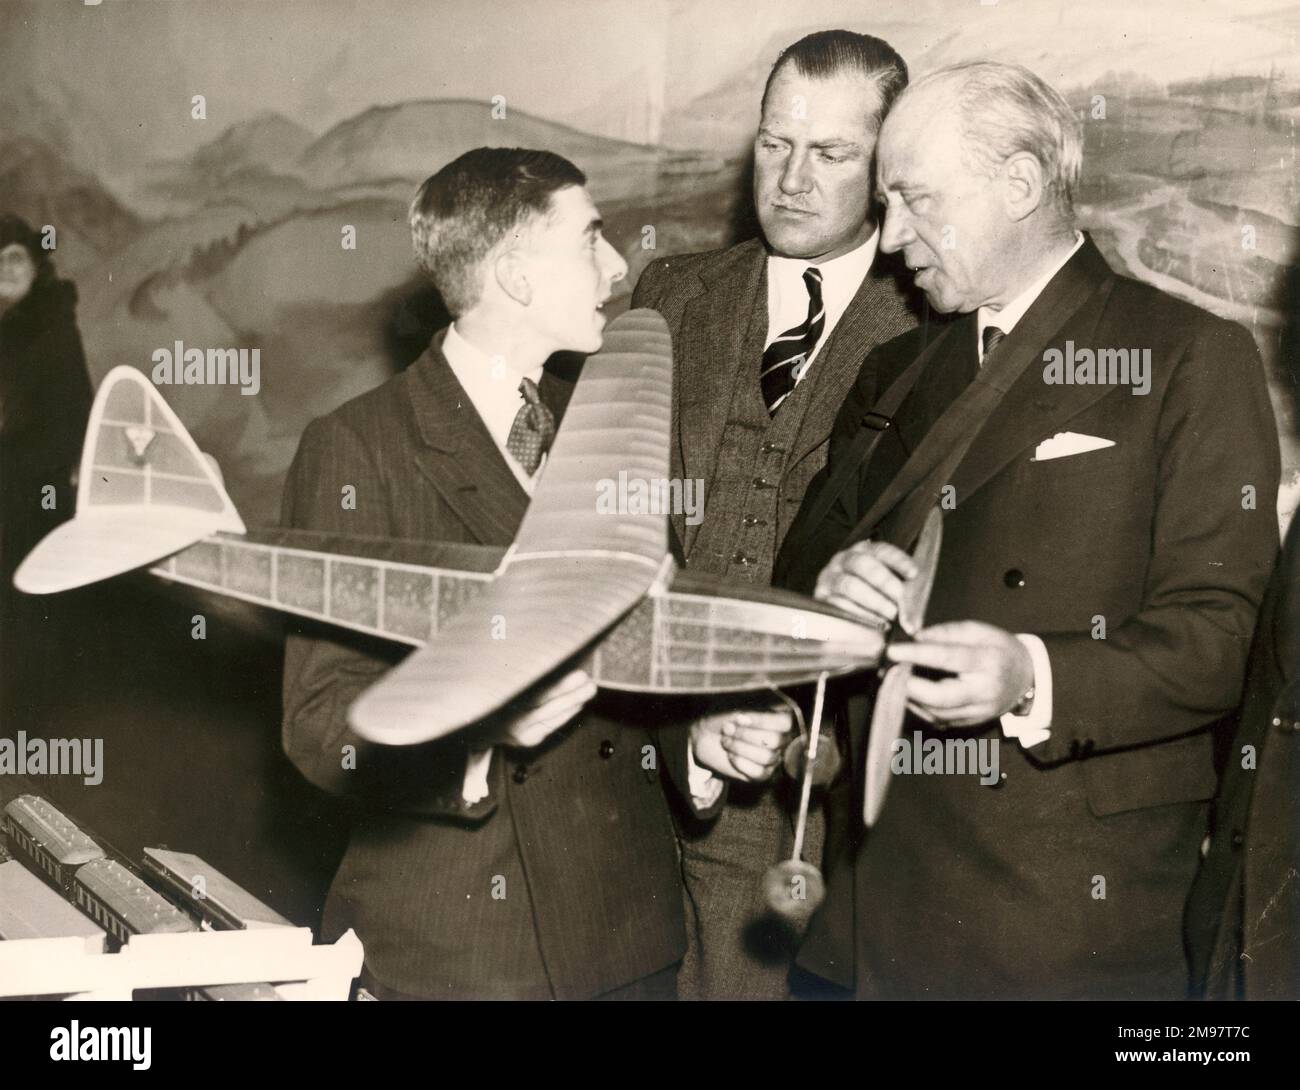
(523, 857)
(1106, 461)
(767, 338)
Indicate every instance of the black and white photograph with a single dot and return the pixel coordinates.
(650, 500)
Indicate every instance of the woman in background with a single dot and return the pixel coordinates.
(45, 397)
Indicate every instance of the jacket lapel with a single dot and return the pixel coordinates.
(1067, 309)
(718, 325)
(1032, 409)
(859, 330)
(459, 457)
(947, 348)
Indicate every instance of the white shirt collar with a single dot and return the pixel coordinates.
(1009, 316)
(787, 295)
(837, 273)
(493, 390)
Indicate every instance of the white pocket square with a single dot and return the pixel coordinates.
(1065, 443)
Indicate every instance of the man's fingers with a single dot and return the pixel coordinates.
(897, 559)
(575, 681)
(867, 579)
(537, 730)
(973, 633)
(856, 596)
(769, 737)
(971, 716)
(750, 770)
(954, 658)
(552, 707)
(888, 554)
(873, 572)
(943, 695)
(760, 755)
(853, 609)
(573, 690)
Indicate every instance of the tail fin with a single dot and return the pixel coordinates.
(145, 492)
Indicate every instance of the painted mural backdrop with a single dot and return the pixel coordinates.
(226, 230)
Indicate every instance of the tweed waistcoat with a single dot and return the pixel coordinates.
(748, 494)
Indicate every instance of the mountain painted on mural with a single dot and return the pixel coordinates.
(1190, 186)
(239, 244)
(392, 148)
(38, 182)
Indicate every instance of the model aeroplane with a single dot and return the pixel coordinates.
(580, 586)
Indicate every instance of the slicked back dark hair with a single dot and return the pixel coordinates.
(463, 211)
(829, 53)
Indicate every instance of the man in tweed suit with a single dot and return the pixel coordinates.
(767, 337)
(515, 859)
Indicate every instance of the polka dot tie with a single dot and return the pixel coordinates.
(534, 428)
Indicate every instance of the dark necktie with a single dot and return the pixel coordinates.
(534, 428)
(992, 338)
(785, 358)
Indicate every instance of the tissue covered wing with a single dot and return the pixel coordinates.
(576, 566)
(706, 636)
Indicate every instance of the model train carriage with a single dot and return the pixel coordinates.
(48, 838)
(234, 993)
(206, 892)
(123, 905)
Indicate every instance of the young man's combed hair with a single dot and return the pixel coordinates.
(463, 211)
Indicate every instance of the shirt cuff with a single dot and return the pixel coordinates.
(704, 786)
(1035, 726)
(475, 788)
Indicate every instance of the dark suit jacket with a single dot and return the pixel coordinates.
(1245, 906)
(578, 829)
(715, 304)
(964, 890)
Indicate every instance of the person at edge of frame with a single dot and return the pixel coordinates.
(45, 397)
(1244, 908)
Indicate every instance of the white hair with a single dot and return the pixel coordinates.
(1005, 109)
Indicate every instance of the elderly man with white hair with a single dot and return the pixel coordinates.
(1106, 462)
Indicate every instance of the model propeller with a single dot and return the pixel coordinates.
(891, 699)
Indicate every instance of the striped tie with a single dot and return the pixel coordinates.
(534, 428)
(992, 338)
(786, 358)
